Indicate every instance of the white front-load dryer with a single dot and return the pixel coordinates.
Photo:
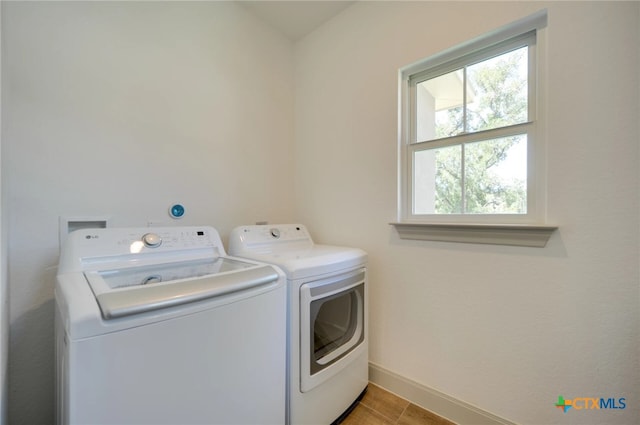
(327, 353)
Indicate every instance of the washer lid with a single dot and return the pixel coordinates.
(123, 292)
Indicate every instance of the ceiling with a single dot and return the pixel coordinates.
(295, 19)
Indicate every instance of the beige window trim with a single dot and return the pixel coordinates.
(495, 234)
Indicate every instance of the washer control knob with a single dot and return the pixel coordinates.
(275, 232)
(151, 240)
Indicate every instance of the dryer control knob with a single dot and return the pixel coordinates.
(151, 240)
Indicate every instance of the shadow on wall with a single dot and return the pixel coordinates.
(31, 366)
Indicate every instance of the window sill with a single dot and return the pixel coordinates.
(495, 234)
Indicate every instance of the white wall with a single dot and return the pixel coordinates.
(121, 109)
(4, 293)
(507, 329)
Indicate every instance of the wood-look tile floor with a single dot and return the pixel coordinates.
(380, 407)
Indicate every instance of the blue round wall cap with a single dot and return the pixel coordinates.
(176, 211)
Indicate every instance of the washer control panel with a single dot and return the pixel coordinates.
(134, 244)
(170, 238)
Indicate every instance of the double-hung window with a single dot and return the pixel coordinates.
(471, 148)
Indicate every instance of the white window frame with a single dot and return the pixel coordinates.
(479, 228)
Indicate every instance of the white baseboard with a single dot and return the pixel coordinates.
(439, 403)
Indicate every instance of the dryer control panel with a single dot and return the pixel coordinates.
(263, 238)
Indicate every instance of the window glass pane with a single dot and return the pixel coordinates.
(497, 91)
(467, 127)
(496, 176)
(439, 106)
(437, 181)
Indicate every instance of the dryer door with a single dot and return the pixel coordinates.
(332, 325)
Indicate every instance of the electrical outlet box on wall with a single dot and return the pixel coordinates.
(69, 224)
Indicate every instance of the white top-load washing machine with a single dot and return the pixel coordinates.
(159, 326)
(327, 341)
